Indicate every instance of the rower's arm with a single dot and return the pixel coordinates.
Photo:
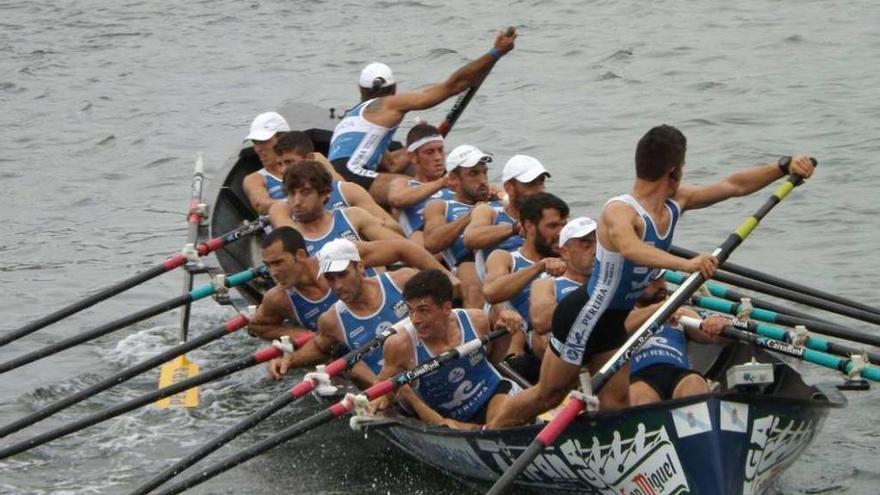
(502, 283)
(255, 189)
(481, 233)
(438, 234)
(320, 158)
(358, 196)
(402, 195)
(316, 351)
(542, 303)
(268, 322)
(384, 253)
(369, 227)
(279, 215)
(638, 316)
(362, 376)
(620, 220)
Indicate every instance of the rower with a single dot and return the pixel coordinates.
(308, 187)
(465, 392)
(446, 220)
(366, 306)
(660, 370)
(634, 233)
(509, 274)
(361, 139)
(577, 249)
(296, 146)
(496, 225)
(301, 295)
(424, 145)
(263, 187)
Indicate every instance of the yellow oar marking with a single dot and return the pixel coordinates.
(177, 370)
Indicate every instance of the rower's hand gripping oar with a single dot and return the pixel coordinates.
(464, 100)
(171, 263)
(194, 295)
(336, 410)
(262, 356)
(553, 429)
(227, 328)
(299, 390)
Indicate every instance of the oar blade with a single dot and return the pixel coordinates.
(174, 371)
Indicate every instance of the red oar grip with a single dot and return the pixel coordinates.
(555, 428)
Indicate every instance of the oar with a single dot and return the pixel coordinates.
(641, 336)
(463, 101)
(254, 359)
(779, 282)
(171, 263)
(336, 410)
(809, 355)
(296, 392)
(724, 306)
(230, 326)
(199, 293)
(724, 292)
(193, 220)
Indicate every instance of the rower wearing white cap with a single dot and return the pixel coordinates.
(411, 195)
(301, 295)
(446, 220)
(497, 226)
(361, 139)
(263, 187)
(509, 274)
(577, 248)
(366, 306)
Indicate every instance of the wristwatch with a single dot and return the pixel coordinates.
(783, 164)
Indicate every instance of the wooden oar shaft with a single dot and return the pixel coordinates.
(258, 357)
(779, 282)
(124, 375)
(641, 336)
(199, 293)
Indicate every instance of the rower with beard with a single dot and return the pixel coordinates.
(301, 295)
(308, 186)
(496, 225)
(263, 188)
(660, 369)
(577, 248)
(296, 146)
(446, 220)
(509, 274)
(464, 393)
(424, 145)
(366, 307)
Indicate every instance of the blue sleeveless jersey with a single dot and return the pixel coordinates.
(667, 346)
(306, 310)
(456, 252)
(358, 330)
(412, 218)
(336, 200)
(510, 244)
(340, 228)
(520, 302)
(362, 142)
(274, 185)
(564, 285)
(461, 387)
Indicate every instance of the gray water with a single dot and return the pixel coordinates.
(105, 104)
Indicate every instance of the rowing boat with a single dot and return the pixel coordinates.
(733, 441)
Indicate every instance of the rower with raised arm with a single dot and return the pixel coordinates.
(577, 249)
(464, 393)
(301, 295)
(308, 187)
(660, 369)
(361, 139)
(496, 225)
(634, 234)
(446, 220)
(263, 187)
(424, 145)
(296, 146)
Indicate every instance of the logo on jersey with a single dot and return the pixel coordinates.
(456, 375)
(400, 309)
(382, 327)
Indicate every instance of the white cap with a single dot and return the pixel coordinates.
(523, 168)
(376, 70)
(267, 125)
(576, 228)
(336, 255)
(466, 156)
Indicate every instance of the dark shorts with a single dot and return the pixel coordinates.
(580, 333)
(662, 377)
(504, 388)
(363, 178)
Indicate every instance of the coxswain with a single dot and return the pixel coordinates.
(264, 187)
